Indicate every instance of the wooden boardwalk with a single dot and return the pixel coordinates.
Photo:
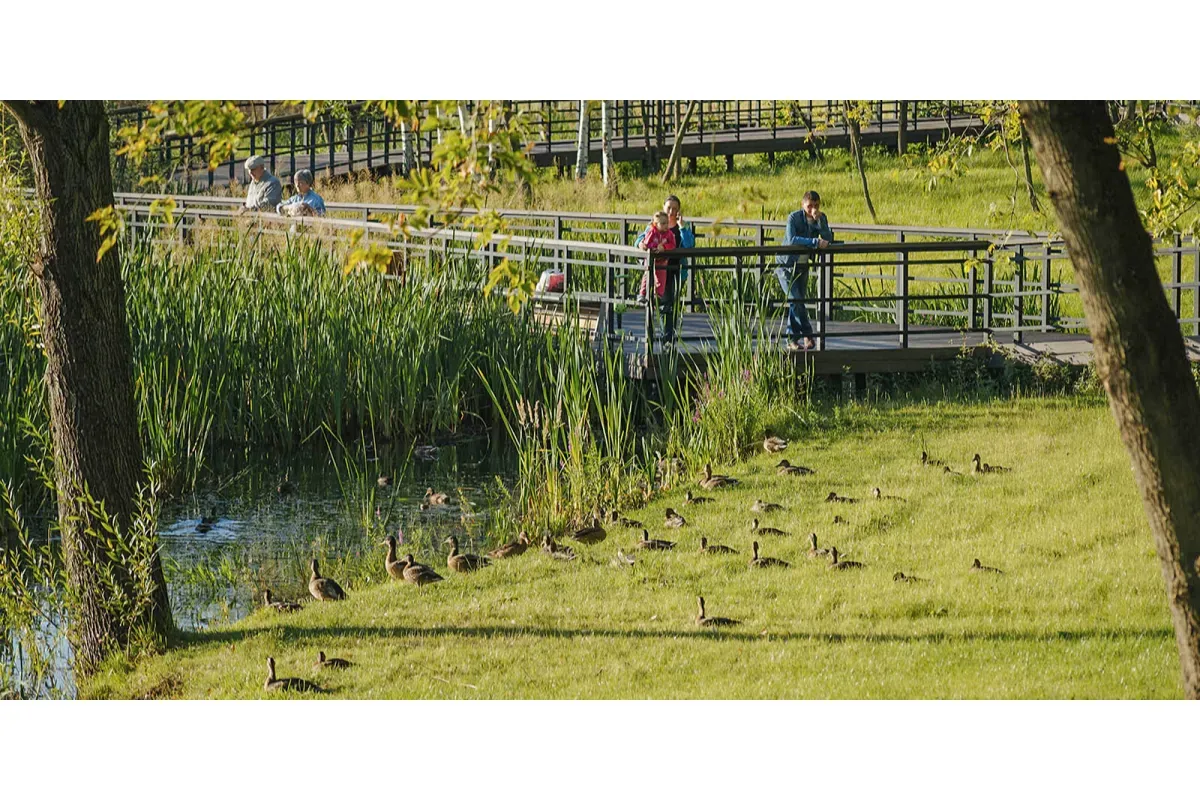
(342, 160)
(860, 347)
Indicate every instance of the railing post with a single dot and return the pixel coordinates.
(1196, 290)
(899, 312)
(610, 294)
(1047, 325)
(972, 277)
(902, 295)
(1019, 296)
(1177, 276)
(651, 300)
(988, 276)
(819, 261)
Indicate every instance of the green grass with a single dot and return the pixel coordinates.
(1079, 612)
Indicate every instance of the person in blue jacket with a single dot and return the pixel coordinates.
(676, 267)
(809, 227)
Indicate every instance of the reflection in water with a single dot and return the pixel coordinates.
(237, 535)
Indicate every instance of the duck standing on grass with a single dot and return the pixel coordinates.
(463, 562)
(273, 684)
(419, 574)
(393, 565)
(324, 588)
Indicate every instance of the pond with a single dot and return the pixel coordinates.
(259, 538)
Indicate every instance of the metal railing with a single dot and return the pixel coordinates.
(909, 284)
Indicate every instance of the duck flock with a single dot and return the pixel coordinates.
(408, 570)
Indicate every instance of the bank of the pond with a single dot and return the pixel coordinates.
(1078, 612)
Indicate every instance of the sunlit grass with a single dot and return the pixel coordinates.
(1078, 612)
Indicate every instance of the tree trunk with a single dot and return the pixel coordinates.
(677, 145)
(583, 142)
(902, 131)
(856, 147)
(89, 369)
(607, 165)
(1028, 163)
(1138, 344)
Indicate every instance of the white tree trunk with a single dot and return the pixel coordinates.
(607, 164)
(582, 142)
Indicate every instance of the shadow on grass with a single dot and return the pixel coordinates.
(298, 634)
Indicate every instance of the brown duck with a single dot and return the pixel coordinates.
(693, 500)
(331, 663)
(393, 565)
(930, 462)
(754, 528)
(552, 549)
(785, 467)
(834, 497)
(711, 481)
(278, 605)
(879, 495)
(273, 684)
(512, 549)
(773, 444)
(672, 519)
(837, 563)
(760, 562)
(615, 518)
(436, 498)
(646, 543)
(324, 588)
(419, 574)
(705, 621)
(978, 467)
(765, 508)
(384, 481)
(813, 550)
(463, 562)
(900, 577)
(592, 534)
(977, 567)
(715, 549)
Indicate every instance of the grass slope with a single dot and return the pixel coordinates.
(1079, 612)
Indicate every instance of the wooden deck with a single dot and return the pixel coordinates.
(859, 347)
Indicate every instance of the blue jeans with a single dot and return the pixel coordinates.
(794, 281)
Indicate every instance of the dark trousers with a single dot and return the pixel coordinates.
(794, 281)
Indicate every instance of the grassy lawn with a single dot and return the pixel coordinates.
(1079, 611)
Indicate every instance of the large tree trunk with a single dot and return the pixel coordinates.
(1138, 344)
(89, 373)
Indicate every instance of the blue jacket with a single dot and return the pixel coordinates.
(801, 231)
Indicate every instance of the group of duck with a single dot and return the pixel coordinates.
(408, 570)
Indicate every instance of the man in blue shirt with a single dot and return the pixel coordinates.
(805, 227)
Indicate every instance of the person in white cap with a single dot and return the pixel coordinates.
(265, 192)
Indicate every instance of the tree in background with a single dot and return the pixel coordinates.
(1138, 345)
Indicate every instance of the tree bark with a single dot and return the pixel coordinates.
(607, 166)
(1028, 163)
(583, 142)
(89, 373)
(1138, 344)
(852, 126)
(677, 145)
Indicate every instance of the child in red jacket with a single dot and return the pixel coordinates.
(658, 238)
